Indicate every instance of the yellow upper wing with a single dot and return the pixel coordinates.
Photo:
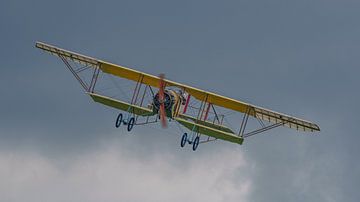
(215, 99)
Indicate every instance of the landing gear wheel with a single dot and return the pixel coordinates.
(130, 124)
(118, 121)
(196, 143)
(183, 140)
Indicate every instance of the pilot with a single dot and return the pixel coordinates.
(182, 97)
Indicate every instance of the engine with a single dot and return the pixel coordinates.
(168, 100)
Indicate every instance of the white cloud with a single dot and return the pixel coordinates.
(111, 174)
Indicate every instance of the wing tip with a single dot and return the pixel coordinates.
(313, 128)
(39, 43)
(317, 128)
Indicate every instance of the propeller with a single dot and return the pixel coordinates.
(162, 111)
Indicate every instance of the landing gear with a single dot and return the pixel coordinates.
(118, 121)
(130, 124)
(196, 143)
(183, 140)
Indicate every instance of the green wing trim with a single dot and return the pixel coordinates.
(124, 106)
(212, 132)
(207, 123)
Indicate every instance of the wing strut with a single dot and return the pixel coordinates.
(244, 122)
(187, 103)
(263, 126)
(94, 79)
(83, 84)
(263, 129)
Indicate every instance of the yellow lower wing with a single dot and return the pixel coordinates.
(212, 132)
(124, 106)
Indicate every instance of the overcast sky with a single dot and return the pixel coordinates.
(296, 57)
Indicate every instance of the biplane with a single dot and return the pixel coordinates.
(171, 101)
